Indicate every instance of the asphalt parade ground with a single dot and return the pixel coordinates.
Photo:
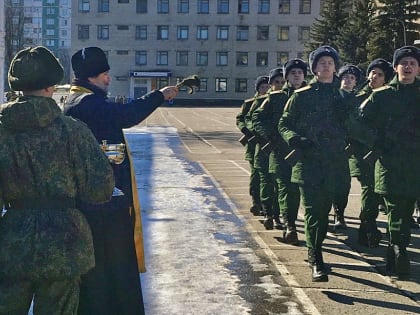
(207, 137)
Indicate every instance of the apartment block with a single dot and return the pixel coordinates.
(227, 43)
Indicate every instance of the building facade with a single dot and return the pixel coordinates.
(31, 23)
(227, 43)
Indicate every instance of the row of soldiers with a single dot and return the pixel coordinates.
(304, 142)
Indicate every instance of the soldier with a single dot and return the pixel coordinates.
(113, 286)
(349, 76)
(261, 162)
(47, 162)
(266, 119)
(313, 124)
(378, 72)
(261, 88)
(393, 111)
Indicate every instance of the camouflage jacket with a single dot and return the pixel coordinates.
(47, 162)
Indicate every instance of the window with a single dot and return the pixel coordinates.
(123, 1)
(50, 42)
(50, 32)
(203, 6)
(262, 32)
(182, 58)
(242, 33)
(162, 82)
(222, 32)
(141, 32)
(122, 52)
(283, 33)
(284, 6)
(303, 34)
(221, 85)
(141, 58)
(241, 85)
(103, 32)
(141, 6)
(50, 21)
(223, 6)
(50, 11)
(163, 6)
(202, 32)
(263, 6)
(83, 32)
(182, 32)
(103, 5)
(162, 32)
(221, 58)
(241, 58)
(262, 58)
(202, 58)
(122, 27)
(203, 85)
(162, 58)
(304, 6)
(84, 5)
(282, 57)
(183, 6)
(243, 6)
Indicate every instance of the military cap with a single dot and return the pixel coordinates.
(352, 69)
(295, 63)
(34, 68)
(89, 62)
(406, 51)
(274, 73)
(325, 50)
(382, 64)
(261, 80)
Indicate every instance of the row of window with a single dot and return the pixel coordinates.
(220, 84)
(202, 32)
(203, 6)
(202, 58)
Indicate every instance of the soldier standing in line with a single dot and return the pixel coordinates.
(261, 163)
(378, 72)
(261, 88)
(47, 163)
(350, 77)
(393, 112)
(266, 119)
(313, 124)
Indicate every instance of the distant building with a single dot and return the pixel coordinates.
(31, 23)
(226, 43)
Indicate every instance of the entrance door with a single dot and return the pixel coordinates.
(141, 87)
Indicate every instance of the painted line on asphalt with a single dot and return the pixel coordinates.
(307, 305)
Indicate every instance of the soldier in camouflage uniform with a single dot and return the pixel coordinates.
(266, 119)
(313, 124)
(393, 111)
(378, 72)
(269, 203)
(261, 88)
(47, 162)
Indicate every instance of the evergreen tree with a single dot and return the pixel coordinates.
(325, 29)
(353, 37)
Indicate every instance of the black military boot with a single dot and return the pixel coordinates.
(255, 209)
(319, 274)
(269, 222)
(339, 221)
(402, 262)
(369, 234)
(277, 223)
(390, 261)
(289, 234)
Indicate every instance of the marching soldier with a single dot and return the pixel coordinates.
(393, 111)
(266, 119)
(379, 72)
(261, 88)
(313, 125)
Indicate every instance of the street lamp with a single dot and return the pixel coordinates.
(404, 29)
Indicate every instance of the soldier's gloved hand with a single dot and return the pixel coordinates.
(301, 143)
(246, 132)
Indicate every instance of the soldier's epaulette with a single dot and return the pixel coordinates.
(307, 87)
(382, 88)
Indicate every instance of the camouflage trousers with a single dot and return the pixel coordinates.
(50, 297)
